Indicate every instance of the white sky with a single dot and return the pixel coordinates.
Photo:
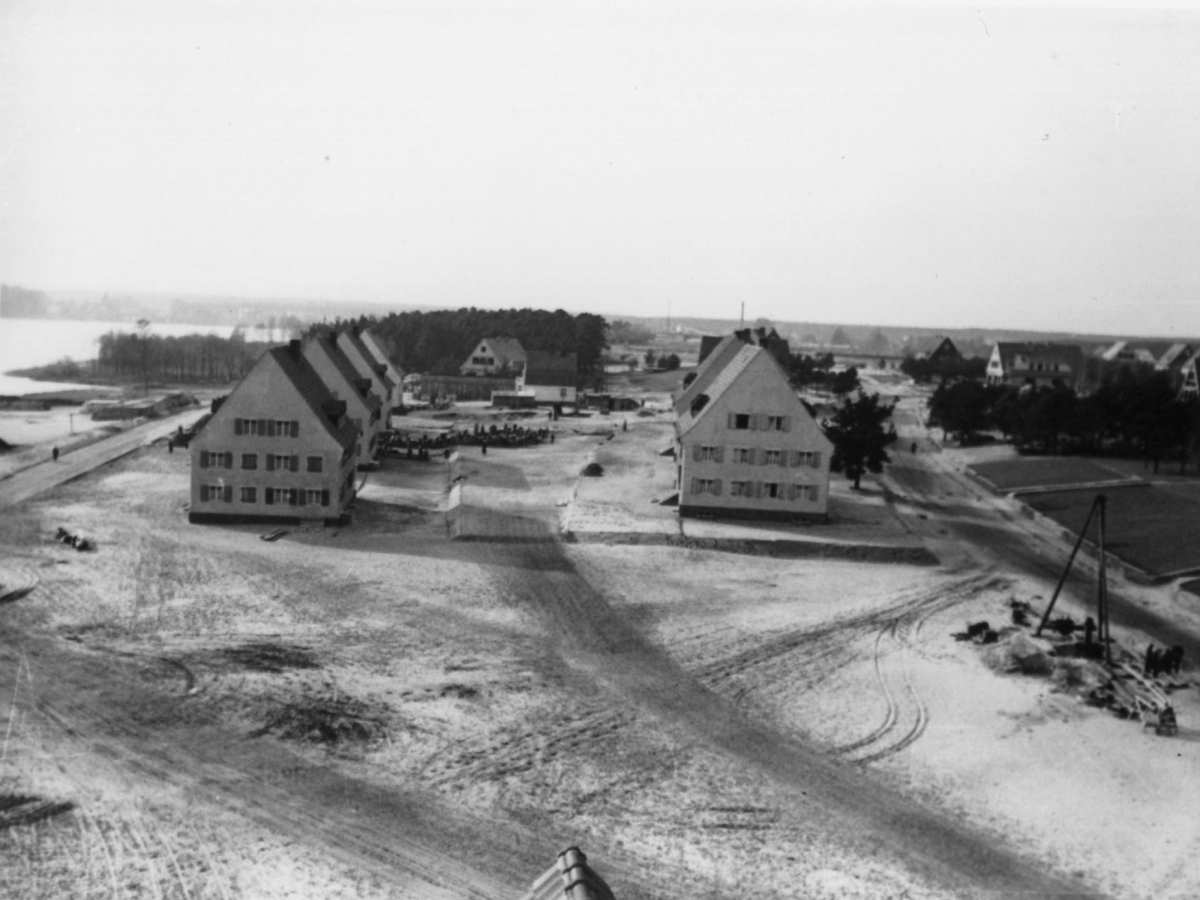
(948, 167)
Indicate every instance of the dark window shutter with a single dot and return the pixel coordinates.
(271, 428)
(262, 426)
(229, 459)
(270, 462)
(295, 428)
(229, 493)
(269, 495)
(303, 496)
(291, 496)
(696, 452)
(324, 498)
(720, 454)
(758, 488)
(203, 461)
(717, 486)
(695, 485)
(792, 489)
(295, 463)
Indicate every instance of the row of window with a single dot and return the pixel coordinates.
(758, 422)
(760, 456)
(272, 496)
(212, 459)
(267, 427)
(771, 490)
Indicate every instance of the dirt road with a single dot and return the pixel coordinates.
(44, 476)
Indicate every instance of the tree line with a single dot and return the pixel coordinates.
(1133, 413)
(439, 341)
(187, 358)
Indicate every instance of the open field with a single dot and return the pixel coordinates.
(1153, 527)
(380, 711)
(1045, 471)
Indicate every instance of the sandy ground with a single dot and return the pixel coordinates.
(379, 711)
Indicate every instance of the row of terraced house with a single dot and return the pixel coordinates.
(284, 445)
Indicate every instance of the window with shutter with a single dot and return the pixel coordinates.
(270, 462)
(262, 426)
(295, 463)
(717, 486)
(237, 426)
(720, 454)
(291, 496)
(295, 428)
(324, 498)
(203, 461)
(302, 493)
(269, 496)
(228, 493)
(229, 459)
(271, 428)
(696, 452)
(695, 485)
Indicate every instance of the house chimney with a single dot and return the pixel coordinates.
(294, 349)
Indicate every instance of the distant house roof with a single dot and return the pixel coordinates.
(507, 350)
(326, 408)
(1175, 356)
(346, 370)
(718, 386)
(551, 369)
(1136, 351)
(1069, 355)
(570, 878)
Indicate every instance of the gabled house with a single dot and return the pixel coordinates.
(279, 448)
(389, 392)
(344, 382)
(550, 377)
(746, 447)
(1035, 364)
(1134, 353)
(495, 356)
(376, 347)
(938, 350)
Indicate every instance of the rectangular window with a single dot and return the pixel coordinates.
(743, 455)
(704, 485)
(771, 489)
(772, 457)
(709, 454)
(313, 497)
(740, 489)
(269, 496)
(316, 464)
(249, 460)
(249, 495)
(739, 421)
(249, 427)
(216, 493)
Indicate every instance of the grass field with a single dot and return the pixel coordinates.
(1045, 471)
(1154, 528)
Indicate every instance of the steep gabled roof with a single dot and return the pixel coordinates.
(346, 369)
(507, 350)
(725, 350)
(369, 360)
(570, 878)
(718, 386)
(308, 385)
(1176, 355)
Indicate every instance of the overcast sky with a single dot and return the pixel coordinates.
(949, 167)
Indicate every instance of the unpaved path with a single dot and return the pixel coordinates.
(872, 819)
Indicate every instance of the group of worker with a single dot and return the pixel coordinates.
(1161, 661)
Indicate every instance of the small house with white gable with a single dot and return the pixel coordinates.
(502, 357)
(746, 447)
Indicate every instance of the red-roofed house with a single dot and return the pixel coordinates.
(279, 448)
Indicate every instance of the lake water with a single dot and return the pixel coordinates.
(38, 342)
